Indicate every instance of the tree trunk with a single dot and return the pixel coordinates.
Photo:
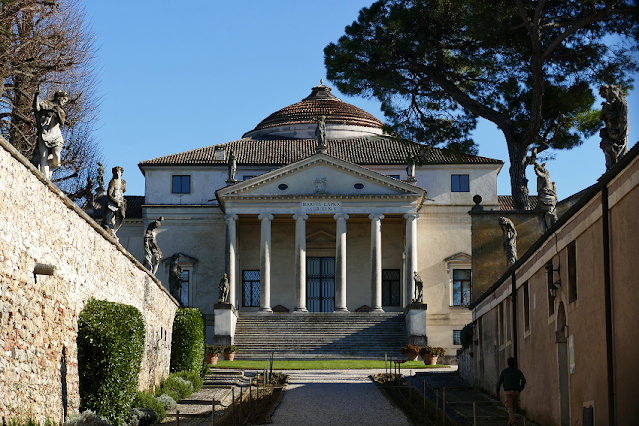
(518, 181)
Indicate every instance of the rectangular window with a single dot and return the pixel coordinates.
(572, 272)
(507, 313)
(457, 337)
(500, 322)
(181, 184)
(186, 280)
(390, 287)
(461, 287)
(251, 288)
(526, 307)
(551, 287)
(459, 183)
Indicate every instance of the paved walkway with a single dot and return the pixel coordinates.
(334, 397)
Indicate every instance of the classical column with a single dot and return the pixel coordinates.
(229, 254)
(376, 261)
(265, 263)
(411, 255)
(300, 262)
(340, 263)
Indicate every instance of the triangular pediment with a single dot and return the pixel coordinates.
(320, 237)
(321, 175)
(460, 257)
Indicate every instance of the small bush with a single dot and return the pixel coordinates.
(176, 387)
(141, 417)
(187, 347)
(110, 347)
(466, 335)
(194, 378)
(148, 400)
(87, 418)
(168, 402)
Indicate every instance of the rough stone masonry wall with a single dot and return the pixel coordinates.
(38, 319)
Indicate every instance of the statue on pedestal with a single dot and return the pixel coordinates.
(49, 116)
(410, 170)
(232, 164)
(115, 208)
(510, 240)
(419, 288)
(614, 113)
(152, 252)
(546, 195)
(224, 288)
(320, 134)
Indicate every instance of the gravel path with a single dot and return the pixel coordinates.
(334, 397)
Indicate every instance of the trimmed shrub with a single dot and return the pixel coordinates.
(176, 387)
(466, 335)
(87, 418)
(141, 417)
(110, 348)
(148, 400)
(168, 402)
(194, 378)
(187, 347)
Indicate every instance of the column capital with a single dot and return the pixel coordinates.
(265, 216)
(411, 216)
(300, 216)
(376, 216)
(341, 216)
(230, 217)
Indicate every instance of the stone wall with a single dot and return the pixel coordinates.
(38, 314)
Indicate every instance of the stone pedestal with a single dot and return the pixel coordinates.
(225, 320)
(415, 317)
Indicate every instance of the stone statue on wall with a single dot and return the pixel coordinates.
(546, 195)
(175, 278)
(223, 286)
(100, 191)
(614, 113)
(152, 252)
(320, 133)
(510, 240)
(49, 116)
(419, 288)
(232, 164)
(115, 208)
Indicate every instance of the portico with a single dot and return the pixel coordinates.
(323, 202)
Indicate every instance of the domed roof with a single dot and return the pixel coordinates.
(320, 102)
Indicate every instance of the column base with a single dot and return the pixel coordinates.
(341, 310)
(300, 310)
(376, 310)
(266, 310)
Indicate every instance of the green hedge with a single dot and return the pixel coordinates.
(187, 347)
(148, 400)
(110, 349)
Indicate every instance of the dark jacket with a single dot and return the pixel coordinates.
(512, 378)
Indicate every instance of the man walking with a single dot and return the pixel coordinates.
(514, 382)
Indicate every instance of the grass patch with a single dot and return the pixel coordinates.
(317, 364)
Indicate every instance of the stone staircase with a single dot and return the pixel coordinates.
(320, 335)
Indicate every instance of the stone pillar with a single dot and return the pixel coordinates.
(411, 256)
(300, 262)
(340, 263)
(376, 262)
(229, 255)
(265, 263)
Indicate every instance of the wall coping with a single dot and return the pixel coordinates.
(73, 206)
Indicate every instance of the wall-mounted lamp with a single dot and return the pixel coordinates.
(553, 291)
(43, 269)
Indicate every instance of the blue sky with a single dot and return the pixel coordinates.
(180, 76)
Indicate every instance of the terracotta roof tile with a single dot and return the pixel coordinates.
(506, 202)
(362, 151)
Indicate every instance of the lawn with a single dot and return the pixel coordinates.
(329, 364)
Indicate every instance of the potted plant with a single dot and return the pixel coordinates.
(411, 352)
(431, 353)
(229, 352)
(212, 354)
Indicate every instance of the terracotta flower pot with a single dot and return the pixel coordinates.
(429, 359)
(229, 356)
(411, 356)
(212, 358)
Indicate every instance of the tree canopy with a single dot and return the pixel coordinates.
(530, 67)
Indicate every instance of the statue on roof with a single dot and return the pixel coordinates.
(320, 134)
(49, 116)
(232, 164)
(614, 113)
(100, 191)
(152, 252)
(410, 170)
(115, 208)
(546, 195)
(510, 240)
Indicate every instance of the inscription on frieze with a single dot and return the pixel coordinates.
(321, 206)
